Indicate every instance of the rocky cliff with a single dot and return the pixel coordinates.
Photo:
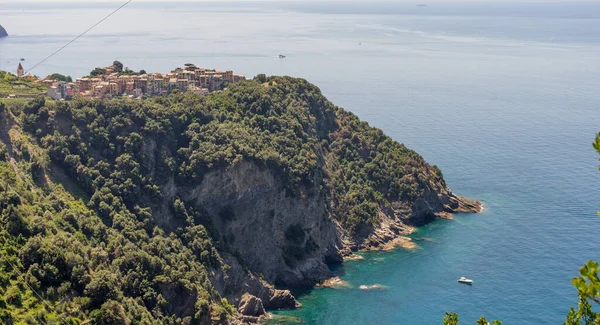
(232, 194)
(3, 32)
(288, 239)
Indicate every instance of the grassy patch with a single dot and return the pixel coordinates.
(12, 85)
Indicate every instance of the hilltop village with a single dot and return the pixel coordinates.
(115, 81)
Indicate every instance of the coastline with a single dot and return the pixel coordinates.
(390, 243)
(390, 222)
(393, 232)
(388, 237)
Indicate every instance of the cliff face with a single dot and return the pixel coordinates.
(3, 32)
(288, 239)
(244, 189)
(288, 235)
(285, 238)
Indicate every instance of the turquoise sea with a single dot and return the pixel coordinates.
(504, 97)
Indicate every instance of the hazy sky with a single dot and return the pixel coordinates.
(123, 1)
(402, 1)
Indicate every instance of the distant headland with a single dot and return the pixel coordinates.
(3, 32)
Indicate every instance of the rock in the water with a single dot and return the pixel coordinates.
(3, 32)
(335, 283)
(283, 299)
(251, 306)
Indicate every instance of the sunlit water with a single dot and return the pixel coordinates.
(503, 98)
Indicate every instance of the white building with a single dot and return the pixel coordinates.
(54, 93)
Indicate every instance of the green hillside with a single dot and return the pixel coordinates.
(90, 231)
(12, 85)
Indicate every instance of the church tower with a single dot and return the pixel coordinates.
(20, 71)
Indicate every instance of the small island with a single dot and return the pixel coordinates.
(3, 32)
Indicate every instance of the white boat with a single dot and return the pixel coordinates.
(465, 280)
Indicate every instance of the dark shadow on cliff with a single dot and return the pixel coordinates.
(336, 269)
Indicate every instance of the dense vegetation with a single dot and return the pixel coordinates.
(82, 185)
(60, 77)
(118, 68)
(286, 127)
(61, 263)
(368, 171)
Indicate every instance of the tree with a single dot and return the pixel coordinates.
(111, 313)
(98, 72)
(262, 78)
(584, 314)
(60, 77)
(118, 66)
(142, 71)
(102, 287)
(483, 321)
(588, 283)
(451, 319)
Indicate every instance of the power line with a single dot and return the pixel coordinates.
(30, 287)
(76, 38)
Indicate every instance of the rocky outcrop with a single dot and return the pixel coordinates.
(398, 222)
(251, 306)
(288, 239)
(283, 299)
(3, 32)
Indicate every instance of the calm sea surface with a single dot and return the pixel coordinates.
(504, 98)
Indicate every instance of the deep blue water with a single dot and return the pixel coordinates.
(503, 97)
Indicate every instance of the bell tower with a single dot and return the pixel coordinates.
(20, 71)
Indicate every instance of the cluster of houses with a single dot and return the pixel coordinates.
(112, 83)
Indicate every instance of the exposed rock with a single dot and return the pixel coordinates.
(353, 257)
(251, 306)
(388, 235)
(403, 242)
(283, 299)
(3, 32)
(334, 283)
(459, 204)
(288, 239)
(238, 280)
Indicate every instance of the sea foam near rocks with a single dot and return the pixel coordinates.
(373, 287)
